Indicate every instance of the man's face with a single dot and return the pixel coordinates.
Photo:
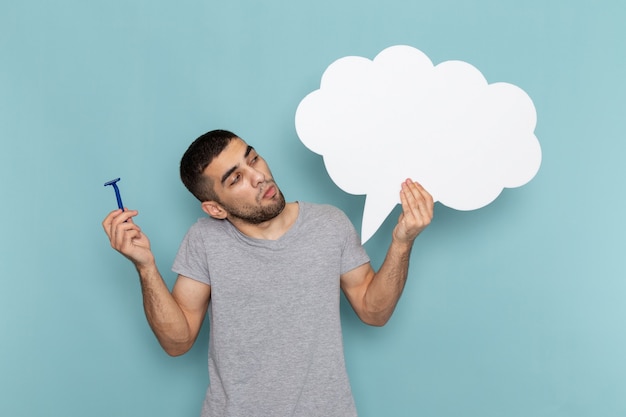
(244, 185)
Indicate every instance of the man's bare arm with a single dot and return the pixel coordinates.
(176, 317)
(374, 295)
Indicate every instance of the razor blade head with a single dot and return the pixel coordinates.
(112, 182)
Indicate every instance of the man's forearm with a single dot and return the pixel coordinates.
(385, 289)
(165, 317)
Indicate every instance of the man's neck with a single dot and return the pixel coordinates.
(272, 229)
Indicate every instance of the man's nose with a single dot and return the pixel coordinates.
(257, 177)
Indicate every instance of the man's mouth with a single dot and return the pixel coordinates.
(270, 192)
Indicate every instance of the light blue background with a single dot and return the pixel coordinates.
(512, 310)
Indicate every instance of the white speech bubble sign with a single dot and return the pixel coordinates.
(378, 122)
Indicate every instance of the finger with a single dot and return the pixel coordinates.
(428, 198)
(111, 222)
(133, 213)
(407, 201)
(423, 198)
(113, 219)
(429, 204)
(122, 219)
(124, 235)
(412, 198)
(108, 220)
(124, 216)
(410, 220)
(417, 207)
(119, 229)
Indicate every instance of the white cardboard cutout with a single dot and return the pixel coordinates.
(379, 122)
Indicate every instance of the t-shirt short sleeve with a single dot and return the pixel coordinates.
(191, 260)
(354, 255)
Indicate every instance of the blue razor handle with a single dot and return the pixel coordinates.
(117, 192)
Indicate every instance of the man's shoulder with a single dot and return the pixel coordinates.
(204, 224)
(323, 212)
(320, 208)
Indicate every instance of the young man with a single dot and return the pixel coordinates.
(272, 272)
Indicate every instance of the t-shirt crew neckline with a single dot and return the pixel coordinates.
(279, 243)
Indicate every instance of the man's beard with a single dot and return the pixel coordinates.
(255, 214)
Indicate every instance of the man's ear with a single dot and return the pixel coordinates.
(214, 210)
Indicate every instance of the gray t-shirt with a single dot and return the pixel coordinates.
(275, 346)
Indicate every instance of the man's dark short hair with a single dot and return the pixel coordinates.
(197, 157)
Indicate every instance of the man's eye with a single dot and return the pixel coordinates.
(236, 179)
(254, 159)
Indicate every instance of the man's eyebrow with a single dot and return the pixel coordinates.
(230, 171)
